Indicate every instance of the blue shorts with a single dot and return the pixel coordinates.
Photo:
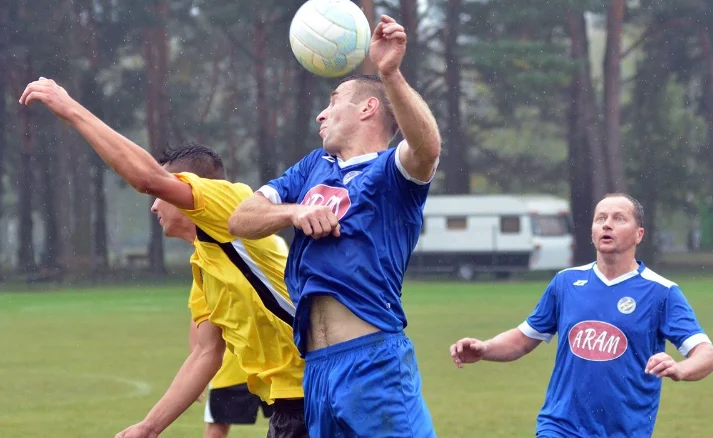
(367, 387)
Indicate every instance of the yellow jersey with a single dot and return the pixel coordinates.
(230, 373)
(244, 291)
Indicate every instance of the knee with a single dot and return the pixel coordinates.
(213, 430)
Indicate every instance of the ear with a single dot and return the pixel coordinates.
(639, 235)
(369, 108)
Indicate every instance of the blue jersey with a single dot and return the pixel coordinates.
(607, 331)
(380, 212)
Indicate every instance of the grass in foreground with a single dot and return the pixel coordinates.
(88, 363)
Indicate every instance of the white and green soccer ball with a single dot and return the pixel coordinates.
(330, 38)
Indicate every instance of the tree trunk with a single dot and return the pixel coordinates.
(48, 176)
(704, 40)
(707, 51)
(612, 95)
(155, 50)
(93, 96)
(25, 180)
(4, 71)
(409, 20)
(587, 110)
(264, 149)
(303, 116)
(231, 111)
(587, 169)
(367, 67)
(456, 166)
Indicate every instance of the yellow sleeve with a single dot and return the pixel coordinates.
(214, 202)
(198, 304)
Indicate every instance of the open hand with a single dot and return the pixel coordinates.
(467, 350)
(388, 45)
(52, 95)
(663, 365)
(138, 430)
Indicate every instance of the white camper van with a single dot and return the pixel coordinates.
(470, 234)
(552, 230)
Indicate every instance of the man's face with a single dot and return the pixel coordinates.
(614, 228)
(173, 222)
(340, 119)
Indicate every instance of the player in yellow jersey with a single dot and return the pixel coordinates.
(228, 400)
(247, 307)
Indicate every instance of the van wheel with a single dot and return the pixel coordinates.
(466, 272)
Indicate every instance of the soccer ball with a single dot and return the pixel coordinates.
(330, 38)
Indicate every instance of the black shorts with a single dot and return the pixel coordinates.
(288, 419)
(234, 405)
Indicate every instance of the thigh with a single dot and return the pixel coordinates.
(288, 420)
(376, 392)
(318, 413)
(233, 405)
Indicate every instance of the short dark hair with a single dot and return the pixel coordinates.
(636, 206)
(194, 158)
(371, 86)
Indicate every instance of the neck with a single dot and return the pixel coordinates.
(188, 235)
(615, 265)
(362, 146)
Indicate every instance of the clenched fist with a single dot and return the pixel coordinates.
(316, 221)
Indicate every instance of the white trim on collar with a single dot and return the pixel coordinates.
(357, 160)
(617, 280)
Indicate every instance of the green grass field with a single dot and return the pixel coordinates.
(88, 362)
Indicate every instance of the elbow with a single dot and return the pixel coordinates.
(143, 184)
(432, 149)
(234, 224)
(237, 225)
(433, 152)
(146, 183)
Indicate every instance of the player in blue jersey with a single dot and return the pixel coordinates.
(357, 209)
(613, 318)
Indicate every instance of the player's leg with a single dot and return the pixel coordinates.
(376, 388)
(288, 419)
(318, 414)
(216, 430)
(231, 405)
(267, 410)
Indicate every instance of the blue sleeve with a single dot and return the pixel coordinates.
(290, 184)
(679, 324)
(542, 322)
(402, 189)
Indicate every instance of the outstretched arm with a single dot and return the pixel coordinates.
(134, 164)
(423, 141)
(505, 347)
(195, 374)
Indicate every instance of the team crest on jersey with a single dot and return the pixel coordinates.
(350, 176)
(626, 305)
(597, 341)
(336, 198)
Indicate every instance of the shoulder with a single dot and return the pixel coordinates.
(576, 270)
(319, 156)
(577, 275)
(649, 275)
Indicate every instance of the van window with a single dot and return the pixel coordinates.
(509, 224)
(550, 225)
(457, 223)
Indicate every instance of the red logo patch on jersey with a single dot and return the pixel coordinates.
(597, 340)
(336, 198)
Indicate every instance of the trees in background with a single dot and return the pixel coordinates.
(571, 98)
